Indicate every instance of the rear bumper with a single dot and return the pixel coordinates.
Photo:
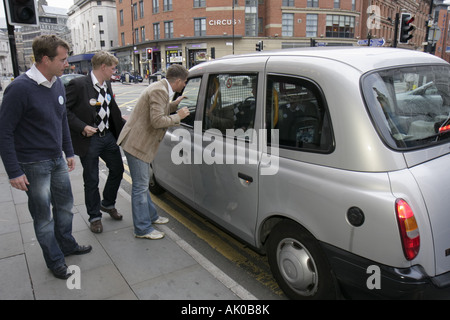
(359, 278)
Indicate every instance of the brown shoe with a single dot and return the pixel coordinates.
(112, 212)
(96, 226)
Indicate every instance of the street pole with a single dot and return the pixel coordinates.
(12, 44)
(429, 46)
(397, 21)
(233, 24)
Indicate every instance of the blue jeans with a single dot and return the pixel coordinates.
(144, 211)
(50, 188)
(106, 148)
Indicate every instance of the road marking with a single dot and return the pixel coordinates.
(197, 256)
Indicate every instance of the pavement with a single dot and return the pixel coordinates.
(120, 266)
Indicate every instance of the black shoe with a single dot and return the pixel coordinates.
(61, 272)
(80, 250)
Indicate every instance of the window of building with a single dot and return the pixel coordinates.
(167, 5)
(288, 3)
(251, 18)
(230, 102)
(338, 26)
(121, 17)
(337, 4)
(135, 11)
(296, 108)
(200, 27)
(100, 19)
(199, 3)
(312, 3)
(168, 29)
(136, 35)
(141, 9)
(156, 31)
(142, 34)
(155, 8)
(287, 28)
(311, 25)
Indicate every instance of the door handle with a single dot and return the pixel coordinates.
(245, 177)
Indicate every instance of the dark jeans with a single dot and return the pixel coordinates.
(50, 191)
(107, 149)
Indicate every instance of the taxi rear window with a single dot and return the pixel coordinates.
(410, 106)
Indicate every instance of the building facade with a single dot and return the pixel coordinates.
(190, 32)
(93, 26)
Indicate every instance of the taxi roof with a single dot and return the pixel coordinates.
(361, 58)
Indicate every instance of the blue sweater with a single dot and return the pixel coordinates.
(33, 124)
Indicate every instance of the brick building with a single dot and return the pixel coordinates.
(190, 32)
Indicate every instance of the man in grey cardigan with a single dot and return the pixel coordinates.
(140, 138)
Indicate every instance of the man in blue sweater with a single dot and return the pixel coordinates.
(34, 133)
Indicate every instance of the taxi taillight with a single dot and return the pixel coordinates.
(409, 231)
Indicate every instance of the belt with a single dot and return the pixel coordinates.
(103, 133)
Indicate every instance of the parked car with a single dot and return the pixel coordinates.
(156, 76)
(335, 162)
(65, 78)
(129, 77)
(115, 77)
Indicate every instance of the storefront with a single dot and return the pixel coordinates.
(196, 53)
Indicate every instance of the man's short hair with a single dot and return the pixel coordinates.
(103, 57)
(47, 45)
(176, 71)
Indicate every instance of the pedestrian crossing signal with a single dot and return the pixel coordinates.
(149, 54)
(22, 12)
(406, 28)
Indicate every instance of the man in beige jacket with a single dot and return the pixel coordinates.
(140, 138)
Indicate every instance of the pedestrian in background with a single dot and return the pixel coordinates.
(34, 133)
(95, 123)
(140, 139)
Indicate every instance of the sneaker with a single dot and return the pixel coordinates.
(154, 235)
(161, 220)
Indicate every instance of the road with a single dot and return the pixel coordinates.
(233, 257)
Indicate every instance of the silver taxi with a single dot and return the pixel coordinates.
(334, 162)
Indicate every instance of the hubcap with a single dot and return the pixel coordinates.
(297, 267)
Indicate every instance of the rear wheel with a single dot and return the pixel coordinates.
(298, 263)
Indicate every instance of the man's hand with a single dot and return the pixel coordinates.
(179, 99)
(20, 183)
(89, 131)
(71, 163)
(183, 112)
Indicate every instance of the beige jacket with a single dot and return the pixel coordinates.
(148, 122)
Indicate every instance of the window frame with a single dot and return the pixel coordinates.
(319, 96)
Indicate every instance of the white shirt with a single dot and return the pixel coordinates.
(96, 83)
(171, 92)
(39, 78)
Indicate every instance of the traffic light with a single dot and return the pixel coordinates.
(22, 12)
(406, 28)
(149, 54)
(259, 46)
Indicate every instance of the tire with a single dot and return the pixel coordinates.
(299, 264)
(153, 186)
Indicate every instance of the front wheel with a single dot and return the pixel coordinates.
(298, 263)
